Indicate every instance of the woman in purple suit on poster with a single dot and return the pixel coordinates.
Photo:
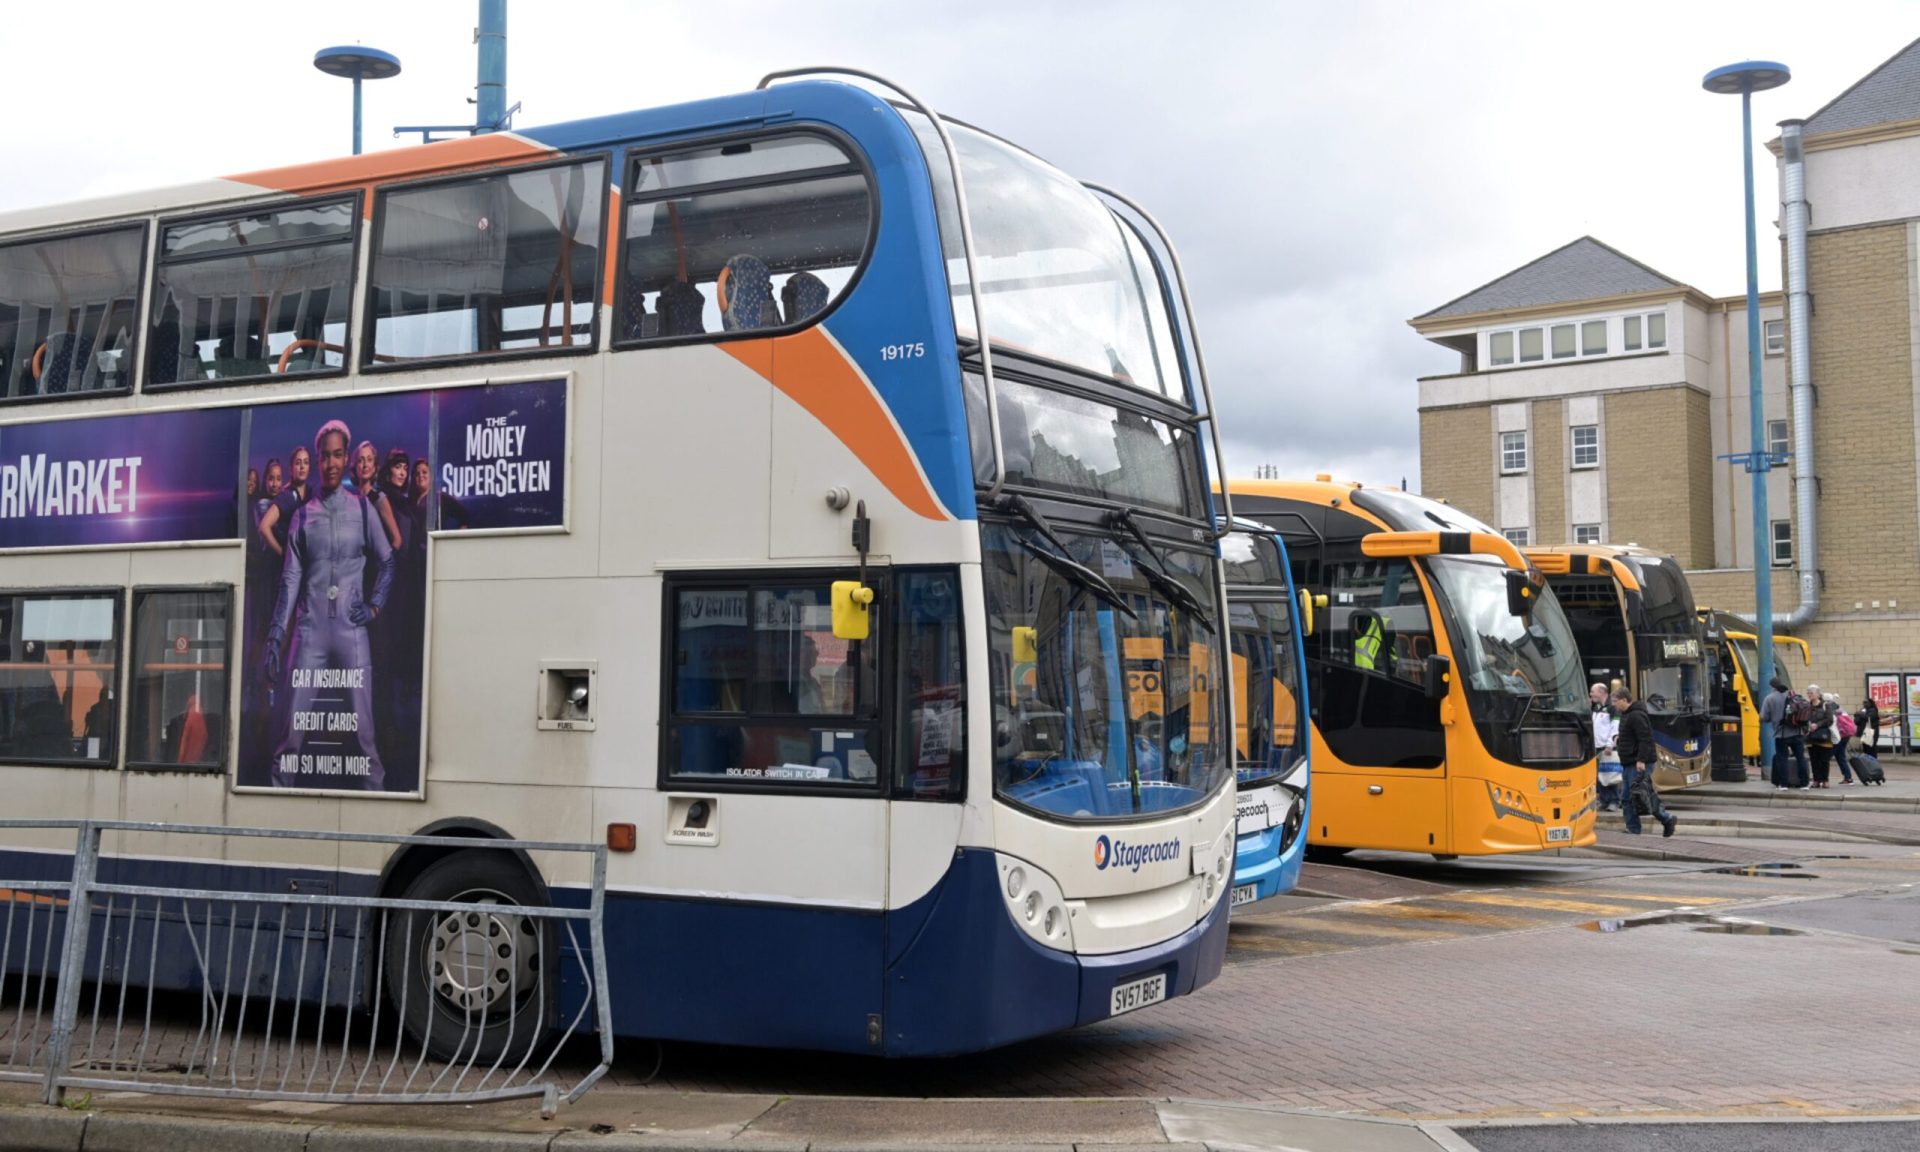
(325, 604)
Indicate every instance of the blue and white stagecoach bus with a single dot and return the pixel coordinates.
(1271, 744)
(644, 478)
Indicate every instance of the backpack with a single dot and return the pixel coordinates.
(1798, 711)
(1846, 727)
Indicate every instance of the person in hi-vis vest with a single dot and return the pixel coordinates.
(1369, 636)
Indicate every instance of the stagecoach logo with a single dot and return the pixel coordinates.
(1543, 783)
(1691, 746)
(1120, 854)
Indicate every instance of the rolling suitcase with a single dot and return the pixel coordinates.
(1866, 769)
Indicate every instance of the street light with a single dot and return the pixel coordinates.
(1746, 78)
(356, 64)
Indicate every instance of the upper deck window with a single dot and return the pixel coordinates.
(1061, 276)
(752, 235)
(505, 262)
(253, 294)
(68, 309)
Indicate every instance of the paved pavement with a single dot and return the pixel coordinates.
(1873, 1136)
(1450, 992)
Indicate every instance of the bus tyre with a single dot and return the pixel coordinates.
(474, 985)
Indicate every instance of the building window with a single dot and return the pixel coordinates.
(1562, 341)
(256, 294)
(1586, 445)
(1776, 337)
(1782, 543)
(1513, 451)
(1519, 536)
(1500, 348)
(1593, 338)
(1776, 437)
(179, 680)
(1531, 348)
(1586, 533)
(62, 652)
(1652, 324)
(505, 262)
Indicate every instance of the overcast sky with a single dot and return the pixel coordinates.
(1328, 170)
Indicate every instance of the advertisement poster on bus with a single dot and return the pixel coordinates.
(501, 451)
(167, 476)
(334, 641)
(336, 591)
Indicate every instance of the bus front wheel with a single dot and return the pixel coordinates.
(471, 985)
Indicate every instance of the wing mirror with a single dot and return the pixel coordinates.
(1439, 676)
(1522, 595)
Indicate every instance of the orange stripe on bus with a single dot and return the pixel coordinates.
(14, 896)
(492, 150)
(817, 375)
(613, 244)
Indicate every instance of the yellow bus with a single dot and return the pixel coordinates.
(1443, 683)
(1739, 658)
(1632, 614)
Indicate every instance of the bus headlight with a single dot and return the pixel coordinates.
(1035, 903)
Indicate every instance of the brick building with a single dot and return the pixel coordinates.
(1568, 421)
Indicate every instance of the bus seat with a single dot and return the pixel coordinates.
(66, 360)
(633, 316)
(745, 289)
(164, 353)
(803, 295)
(682, 309)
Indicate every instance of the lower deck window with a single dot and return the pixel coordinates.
(762, 690)
(57, 676)
(178, 707)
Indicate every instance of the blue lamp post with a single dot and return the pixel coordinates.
(356, 64)
(1746, 78)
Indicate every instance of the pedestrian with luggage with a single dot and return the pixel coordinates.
(1786, 711)
(1634, 742)
(1871, 723)
(1844, 731)
(1605, 727)
(1820, 735)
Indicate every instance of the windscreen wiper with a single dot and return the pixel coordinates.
(1154, 569)
(1062, 561)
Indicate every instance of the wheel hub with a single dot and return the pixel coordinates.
(480, 959)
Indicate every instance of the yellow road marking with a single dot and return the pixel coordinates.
(1545, 904)
(1341, 926)
(1649, 897)
(1411, 911)
(1280, 946)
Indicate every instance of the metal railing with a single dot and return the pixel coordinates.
(293, 995)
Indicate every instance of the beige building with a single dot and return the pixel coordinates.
(1596, 397)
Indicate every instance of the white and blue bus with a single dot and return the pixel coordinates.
(1268, 674)
(530, 485)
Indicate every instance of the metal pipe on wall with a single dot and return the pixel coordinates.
(1806, 486)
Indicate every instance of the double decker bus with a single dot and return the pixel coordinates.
(772, 485)
(1738, 658)
(1633, 617)
(1443, 682)
(1268, 671)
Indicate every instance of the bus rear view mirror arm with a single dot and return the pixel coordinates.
(1383, 544)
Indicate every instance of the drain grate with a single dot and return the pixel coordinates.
(1781, 871)
(1699, 921)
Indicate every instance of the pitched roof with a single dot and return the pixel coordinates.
(1886, 95)
(1583, 270)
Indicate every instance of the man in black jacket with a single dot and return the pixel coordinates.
(1634, 742)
